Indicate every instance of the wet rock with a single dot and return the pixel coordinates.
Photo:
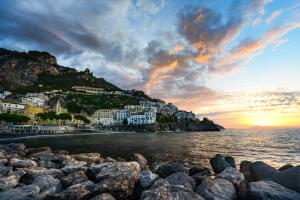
(199, 177)
(74, 166)
(219, 164)
(230, 161)
(216, 189)
(48, 184)
(22, 163)
(264, 190)
(141, 160)
(116, 178)
(284, 167)
(104, 196)
(168, 168)
(87, 157)
(49, 165)
(61, 152)
(245, 169)
(74, 178)
(204, 171)
(110, 159)
(147, 178)
(173, 192)
(260, 170)
(38, 150)
(5, 170)
(8, 182)
(3, 162)
(289, 178)
(13, 147)
(25, 192)
(34, 173)
(158, 183)
(183, 179)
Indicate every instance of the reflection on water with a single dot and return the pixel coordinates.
(276, 147)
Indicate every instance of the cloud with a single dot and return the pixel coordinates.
(273, 16)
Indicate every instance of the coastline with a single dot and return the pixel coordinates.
(45, 174)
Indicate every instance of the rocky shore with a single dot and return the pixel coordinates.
(43, 173)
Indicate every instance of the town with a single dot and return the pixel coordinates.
(33, 113)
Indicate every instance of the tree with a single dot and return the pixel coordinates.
(82, 118)
(13, 118)
(64, 117)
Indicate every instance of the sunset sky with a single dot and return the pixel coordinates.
(236, 62)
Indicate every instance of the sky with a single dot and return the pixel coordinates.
(236, 62)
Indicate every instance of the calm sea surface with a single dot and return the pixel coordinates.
(276, 147)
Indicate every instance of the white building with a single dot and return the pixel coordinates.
(11, 107)
(37, 99)
(120, 115)
(181, 114)
(156, 104)
(103, 117)
(4, 94)
(148, 116)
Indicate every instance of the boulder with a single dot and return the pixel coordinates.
(74, 166)
(116, 178)
(199, 177)
(147, 178)
(74, 178)
(183, 179)
(289, 178)
(48, 184)
(204, 171)
(104, 196)
(260, 171)
(265, 190)
(87, 157)
(3, 162)
(218, 163)
(49, 164)
(172, 192)
(38, 150)
(34, 173)
(22, 163)
(13, 147)
(230, 161)
(141, 160)
(245, 169)
(284, 167)
(5, 170)
(168, 168)
(216, 189)
(25, 192)
(158, 183)
(9, 182)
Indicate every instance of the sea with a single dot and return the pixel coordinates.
(276, 147)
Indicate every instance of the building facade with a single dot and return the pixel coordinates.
(6, 107)
(103, 117)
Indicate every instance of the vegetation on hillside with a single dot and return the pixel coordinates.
(13, 118)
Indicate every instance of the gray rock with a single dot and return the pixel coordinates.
(245, 169)
(183, 179)
(22, 163)
(87, 157)
(74, 178)
(9, 182)
(219, 164)
(38, 150)
(199, 177)
(173, 192)
(204, 171)
(74, 166)
(147, 178)
(5, 170)
(48, 184)
(26, 192)
(284, 167)
(158, 183)
(34, 173)
(218, 189)
(141, 160)
(260, 171)
(289, 178)
(3, 162)
(265, 190)
(230, 161)
(104, 196)
(116, 178)
(13, 147)
(168, 168)
(49, 164)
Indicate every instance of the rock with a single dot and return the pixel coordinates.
(87, 157)
(48, 184)
(75, 166)
(219, 164)
(265, 190)
(173, 192)
(216, 189)
(24, 163)
(204, 171)
(3, 162)
(104, 196)
(34, 173)
(48, 165)
(25, 192)
(183, 179)
(116, 178)
(74, 178)
(141, 160)
(289, 178)
(5, 170)
(284, 167)
(13, 147)
(147, 178)
(8, 182)
(199, 178)
(38, 150)
(168, 168)
(61, 152)
(158, 183)
(260, 170)
(75, 192)
(110, 159)
(230, 161)
(245, 169)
